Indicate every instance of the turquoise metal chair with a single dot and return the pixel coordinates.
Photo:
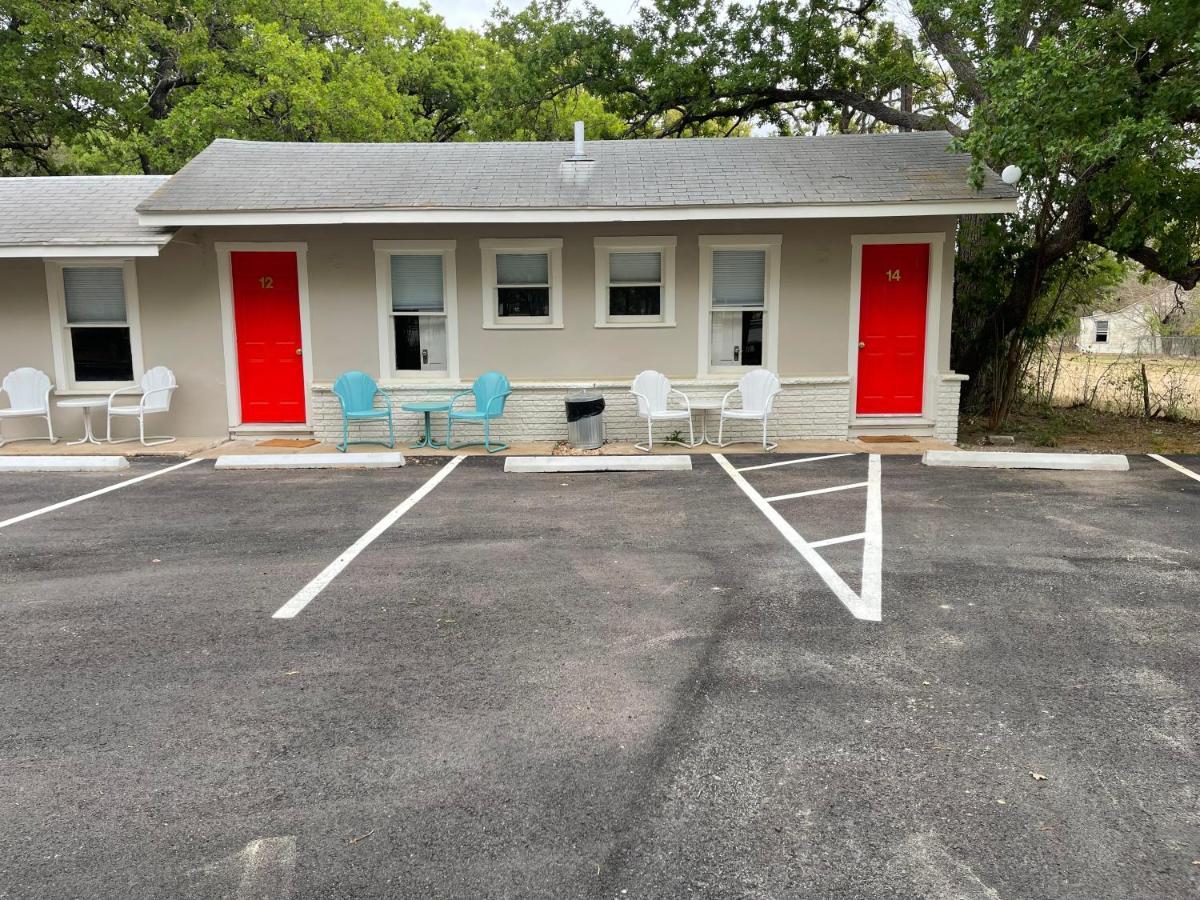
(357, 392)
(490, 390)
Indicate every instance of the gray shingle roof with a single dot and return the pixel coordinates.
(85, 210)
(776, 171)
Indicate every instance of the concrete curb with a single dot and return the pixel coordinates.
(63, 463)
(1073, 462)
(311, 461)
(530, 464)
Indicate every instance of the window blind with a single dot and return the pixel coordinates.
(94, 294)
(522, 268)
(417, 283)
(738, 277)
(635, 268)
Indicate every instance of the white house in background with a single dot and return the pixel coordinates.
(1134, 328)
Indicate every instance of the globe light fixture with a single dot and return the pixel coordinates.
(1011, 174)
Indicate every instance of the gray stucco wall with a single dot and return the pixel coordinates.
(181, 316)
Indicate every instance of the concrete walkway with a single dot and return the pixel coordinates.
(210, 448)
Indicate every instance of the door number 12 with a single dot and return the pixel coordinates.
(267, 282)
(893, 274)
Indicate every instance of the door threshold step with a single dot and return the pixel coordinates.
(266, 431)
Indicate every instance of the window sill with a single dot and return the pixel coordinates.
(635, 325)
(521, 326)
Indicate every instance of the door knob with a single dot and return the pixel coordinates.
(299, 351)
(862, 344)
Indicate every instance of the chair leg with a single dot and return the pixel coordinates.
(345, 435)
(691, 433)
(391, 433)
(50, 427)
(766, 446)
(721, 433)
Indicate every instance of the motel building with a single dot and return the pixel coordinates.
(262, 271)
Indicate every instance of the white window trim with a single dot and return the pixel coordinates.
(664, 245)
(489, 247)
(233, 390)
(771, 245)
(384, 250)
(64, 375)
(933, 314)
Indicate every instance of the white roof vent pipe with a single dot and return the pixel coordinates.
(579, 155)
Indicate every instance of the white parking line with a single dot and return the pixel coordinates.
(112, 487)
(1174, 465)
(307, 593)
(791, 462)
(844, 539)
(826, 490)
(871, 589)
(867, 606)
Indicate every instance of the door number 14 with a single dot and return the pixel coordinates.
(893, 274)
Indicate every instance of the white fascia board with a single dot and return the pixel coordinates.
(78, 251)
(511, 216)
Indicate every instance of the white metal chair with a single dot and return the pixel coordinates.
(758, 390)
(156, 388)
(28, 396)
(653, 390)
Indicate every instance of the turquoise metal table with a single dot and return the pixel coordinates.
(427, 407)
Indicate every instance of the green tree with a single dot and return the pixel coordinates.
(142, 85)
(1097, 100)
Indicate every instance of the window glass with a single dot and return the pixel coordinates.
(738, 277)
(635, 283)
(418, 312)
(94, 294)
(101, 354)
(100, 346)
(417, 283)
(738, 296)
(523, 285)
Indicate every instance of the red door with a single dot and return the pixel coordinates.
(891, 328)
(266, 316)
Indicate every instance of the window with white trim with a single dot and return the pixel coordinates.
(635, 281)
(416, 297)
(522, 283)
(738, 301)
(94, 311)
(739, 294)
(1102, 331)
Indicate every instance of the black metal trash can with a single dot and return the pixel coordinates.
(585, 420)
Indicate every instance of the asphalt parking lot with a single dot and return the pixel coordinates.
(624, 685)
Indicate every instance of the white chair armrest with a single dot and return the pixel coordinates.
(725, 399)
(642, 400)
(161, 390)
(686, 402)
(125, 390)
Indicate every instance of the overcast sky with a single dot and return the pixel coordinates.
(471, 13)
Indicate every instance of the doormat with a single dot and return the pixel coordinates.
(887, 439)
(287, 442)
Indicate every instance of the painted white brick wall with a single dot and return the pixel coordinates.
(949, 391)
(807, 408)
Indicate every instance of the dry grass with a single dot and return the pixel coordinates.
(1083, 430)
(1114, 383)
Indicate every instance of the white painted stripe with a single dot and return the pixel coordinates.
(307, 593)
(1174, 465)
(311, 461)
(791, 462)
(112, 487)
(871, 588)
(839, 587)
(826, 490)
(844, 539)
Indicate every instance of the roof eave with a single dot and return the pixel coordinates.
(81, 251)
(512, 215)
